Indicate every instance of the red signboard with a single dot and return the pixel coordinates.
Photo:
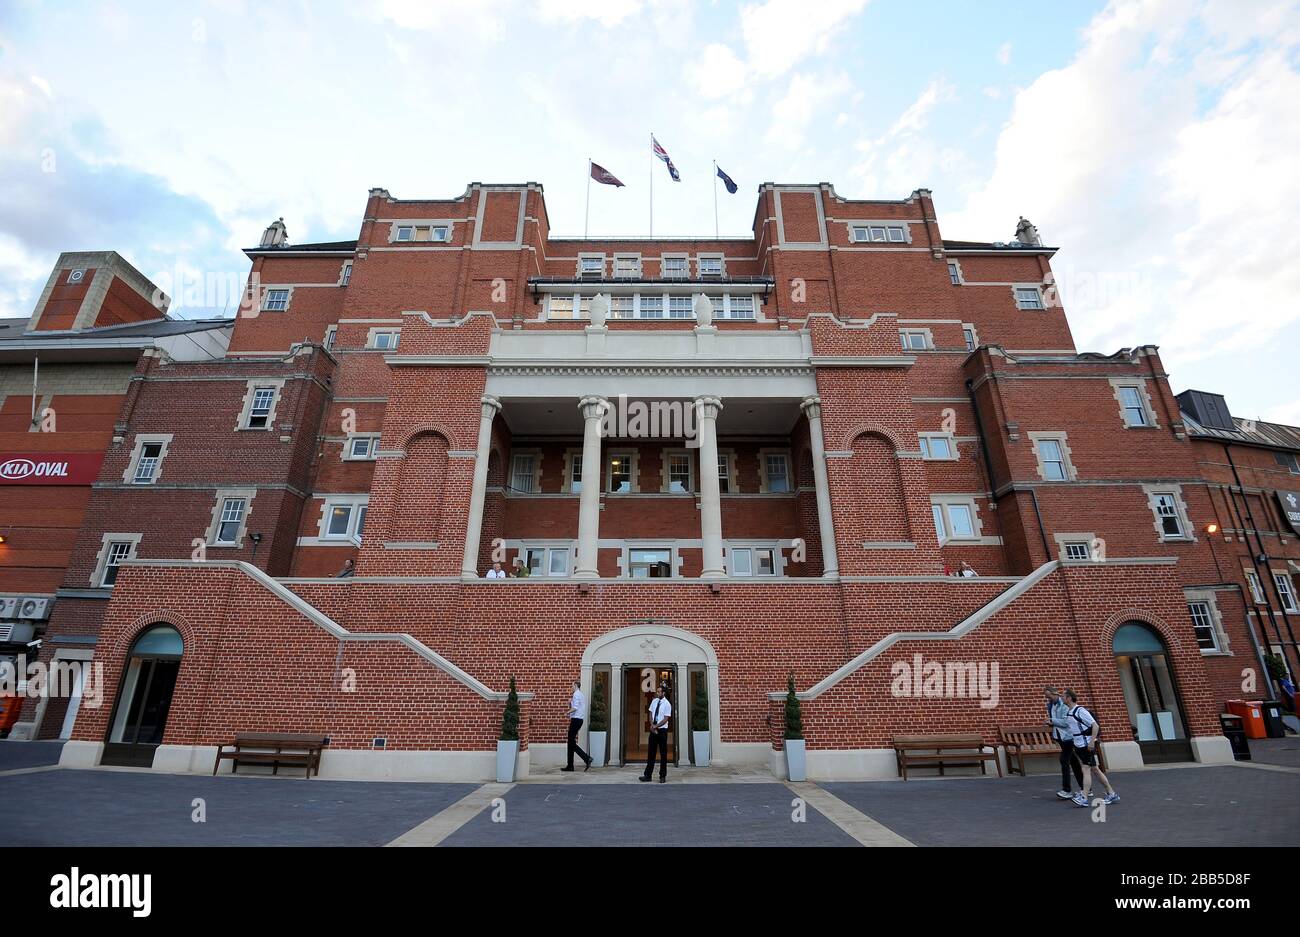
(49, 468)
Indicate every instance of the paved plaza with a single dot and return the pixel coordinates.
(1226, 805)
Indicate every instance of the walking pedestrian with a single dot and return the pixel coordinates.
(577, 712)
(1086, 732)
(1058, 715)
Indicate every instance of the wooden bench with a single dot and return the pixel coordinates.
(945, 751)
(1020, 742)
(274, 749)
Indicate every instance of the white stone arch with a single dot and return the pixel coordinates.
(653, 644)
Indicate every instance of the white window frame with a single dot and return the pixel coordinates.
(571, 485)
(218, 512)
(731, 480)
(331, 337)
(750, 549)
(622, 260)
(1076, 550)
(1020, 302)
(105, 549)
(944, 505)
(246, 411)
(372, 338)
(572, 312)
(864, 232)
(1063, 444)
(668, 456)
(1214, 619)
(927, 447)
(137, 457)
(973, 341)
(357, 509)
(1255, 586)
(669, 547)
(534, 458)
(434, 226)
(729, 313)
(345, 273)
(721, 272)
(685, 260)
(584, 259)
(1286, 588)
(549, 551)
(764, 481)
(631, 456)
(349, 445)
(906, 335)
(1118, 386)
(954, 268)
(1175, 492)
(266, 298)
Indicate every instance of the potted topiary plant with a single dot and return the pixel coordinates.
(700, 726)
(508, 743)
(599, 723)
(796, 764)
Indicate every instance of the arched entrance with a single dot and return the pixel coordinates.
(144, 698)
(627, 665)
(1150, 694)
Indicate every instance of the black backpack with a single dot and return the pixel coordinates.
(1089, 733)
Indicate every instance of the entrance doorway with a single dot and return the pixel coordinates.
(640, 683)
(1150, 694)
(144, 699)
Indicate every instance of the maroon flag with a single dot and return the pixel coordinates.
(603, 175)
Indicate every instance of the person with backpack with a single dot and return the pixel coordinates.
(1086, 732)
(1058, 716)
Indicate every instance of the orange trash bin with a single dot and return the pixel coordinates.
(1252, 717)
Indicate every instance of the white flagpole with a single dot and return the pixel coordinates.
(715, 199)
(652, 184)
(586, 218)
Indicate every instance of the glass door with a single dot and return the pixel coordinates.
(140, 716)
(1150, 695)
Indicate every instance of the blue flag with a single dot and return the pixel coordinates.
(726, 180)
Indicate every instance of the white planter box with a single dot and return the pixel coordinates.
(596, 748)
(796, 760)
(701, 749)
(507, 752)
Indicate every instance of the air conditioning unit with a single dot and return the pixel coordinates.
(34, 609)
(6, 631)
(9, 608)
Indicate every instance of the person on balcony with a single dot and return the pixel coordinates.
(496, 572)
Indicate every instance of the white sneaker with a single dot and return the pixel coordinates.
(1065, 795)
(1079, 800)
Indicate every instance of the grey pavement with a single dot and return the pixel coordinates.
(16, 754)
(1223, 805)
(1284, 752)
(65, 807)
(650, 815)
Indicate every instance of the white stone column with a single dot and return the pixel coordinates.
(706, 425)
(812, 408)
(593, 413)
(478, 491)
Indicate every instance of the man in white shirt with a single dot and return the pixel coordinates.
(496, 572)
(660, 712)
(577, 712)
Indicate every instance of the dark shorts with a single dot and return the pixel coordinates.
(1085, 755)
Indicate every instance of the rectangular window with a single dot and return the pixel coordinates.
(558, 560)
(936, 447)
(591, 266)
(879, 233)
(150, 455)
(1203, 623)
(1256, 590)
(339, 521)
(405, 233)
(559, 307)
(232, 517)
(1171, 525)
(778, 472)
(331, 336)
(575, 473)
(650, 563)
(1284, 589)
(954, 273)
(627, 266)
(523, 473)
(953, 522)
(1077, 550)
(724, 474)
(1049, 453)
(740, 307)
(386, 341)
(363, 447)
(1135, 412)
(118, 552)
(968, 335)
(652, 307)
(1288, 461)
(742, 561)
(1028, 297)
(547, 561)
(620, 473)
(679, 473)
(680, 307)
(259, 414)
(710, 266)
(620, 307)
(361, 522)
(674, 267)
(766, 562)
(912, 340)
(347, 273)
(276, 301)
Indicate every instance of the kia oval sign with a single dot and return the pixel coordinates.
(49, 468)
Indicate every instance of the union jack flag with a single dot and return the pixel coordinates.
(663, 155)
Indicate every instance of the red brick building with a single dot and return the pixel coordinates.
(722, 461)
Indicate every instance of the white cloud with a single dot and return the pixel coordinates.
(1004, 54)
(780, 34)
(717, 73)
(606, 12)
(1173, 198)
(805, 96)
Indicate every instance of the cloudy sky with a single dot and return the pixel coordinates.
(1154, 141)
